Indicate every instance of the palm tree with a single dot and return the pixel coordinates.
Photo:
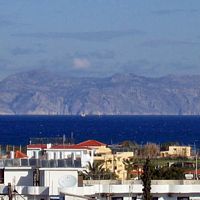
(130, 165)
(96, 171)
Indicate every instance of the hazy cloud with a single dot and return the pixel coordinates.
(25, 51)
(8, 67)
(88, 36)
(106, 54)
(4, 64)
(182, 66)
(168, 42)
(145, 67)
(51, 63)
(173, 11)
(5, 22)
(81, 63)
(99, 55)
(139, 67)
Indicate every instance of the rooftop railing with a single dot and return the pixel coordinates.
(41, 163)
(136, 182)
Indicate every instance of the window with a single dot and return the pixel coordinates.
(1, 176)
(117, 198)
(182, 198)
(57, 198)
(154, 198)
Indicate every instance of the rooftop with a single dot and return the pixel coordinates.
(82, 145)
(68, 147)
(36, 146)
(43, 163)
(91, 143)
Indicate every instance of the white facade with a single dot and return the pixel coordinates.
(51, 153)
(33, 153)
(161, 190)
(50, 180)
(57, 182)
(85, 155)
(22, 176)
(53, 179)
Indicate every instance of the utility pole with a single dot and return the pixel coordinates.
(10, 196)
(196, 161)
(196, 167)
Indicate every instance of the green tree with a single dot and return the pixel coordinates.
(146, 180)
(168, 173)
(165, 146)
(130, 146)
(150, 150)
(131, 164)
(96, 171)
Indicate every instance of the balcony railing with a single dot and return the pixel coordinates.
(41, 163)
(26, 190)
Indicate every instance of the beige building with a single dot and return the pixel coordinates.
(175, 151)
(113, 162)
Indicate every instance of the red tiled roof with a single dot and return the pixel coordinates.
(19, 154)
(91, 143)
(82, 145)
(68, 147)
(36, 146)
(136, 172)
(192, 172)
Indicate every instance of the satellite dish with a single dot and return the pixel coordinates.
(67, 181)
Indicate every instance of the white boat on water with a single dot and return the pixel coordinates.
(83, 115)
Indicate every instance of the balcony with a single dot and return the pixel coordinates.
(42, 163)
(26, 190)
(3, 189)
(36, 190)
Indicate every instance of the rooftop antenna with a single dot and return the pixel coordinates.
(72, 138)
(64, 138)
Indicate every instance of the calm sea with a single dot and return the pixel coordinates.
(17, 130)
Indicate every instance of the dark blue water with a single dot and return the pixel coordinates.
(17, 130)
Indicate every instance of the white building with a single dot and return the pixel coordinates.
(129, 190)
(83, 151)
(37, 179)
(51, 152)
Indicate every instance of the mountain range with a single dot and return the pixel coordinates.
(46, 93)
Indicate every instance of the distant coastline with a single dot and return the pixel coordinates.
(30, 93)
(103, 115)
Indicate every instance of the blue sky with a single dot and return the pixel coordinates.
(100, 37)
